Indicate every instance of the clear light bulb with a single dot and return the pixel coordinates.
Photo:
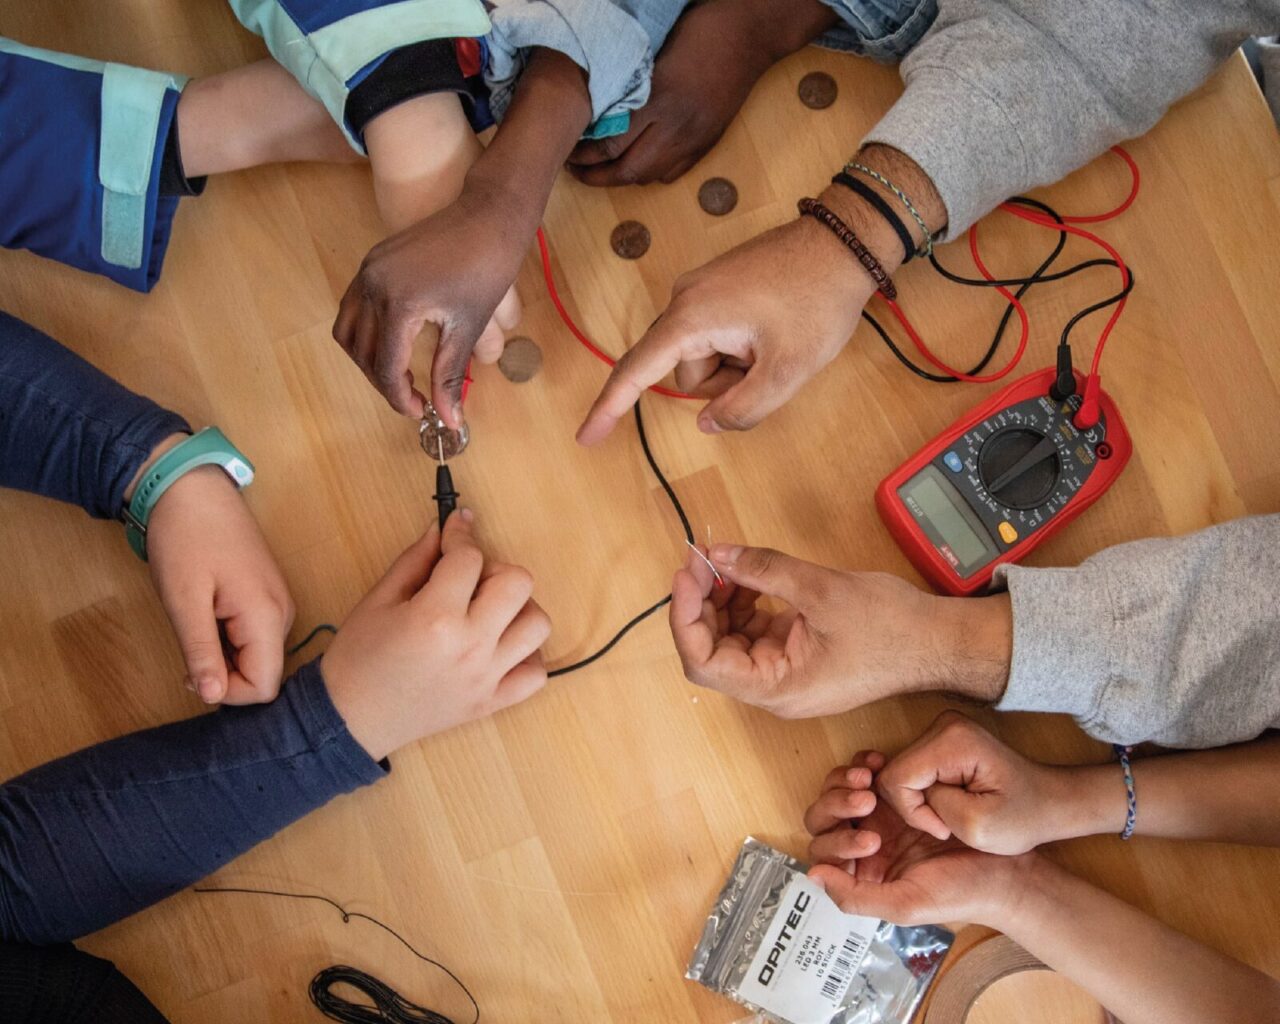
(439, 441)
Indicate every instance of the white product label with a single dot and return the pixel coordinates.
(810, 953)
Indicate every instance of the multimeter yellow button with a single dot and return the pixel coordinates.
(1007, 533)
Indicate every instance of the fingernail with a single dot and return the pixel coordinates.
(726, 555)
(467, 515)
(457, 413)
(189, 683)
(708, 425)
(209, 690)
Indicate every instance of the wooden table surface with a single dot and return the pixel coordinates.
(560, 857)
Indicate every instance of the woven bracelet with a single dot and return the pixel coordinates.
(926, 247)
(1131, 814)
(813, 208)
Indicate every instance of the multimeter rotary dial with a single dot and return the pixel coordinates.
(1026, 462)
(1019, 467)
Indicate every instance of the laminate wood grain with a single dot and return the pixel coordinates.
(561, 855)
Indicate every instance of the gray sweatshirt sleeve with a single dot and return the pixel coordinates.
(1005, 95)
(1175, 640)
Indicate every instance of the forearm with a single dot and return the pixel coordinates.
(550, 110)
(781, 27)
(100, 834)
(1140, 969)
(70, 432)
(1228, 795)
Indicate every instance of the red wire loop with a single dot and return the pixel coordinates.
(1069, 226)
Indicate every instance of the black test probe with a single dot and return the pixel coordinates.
(446, 498)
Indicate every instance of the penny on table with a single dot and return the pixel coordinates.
(718, 196)
(817, 90)
(520, 360)
(630, 240)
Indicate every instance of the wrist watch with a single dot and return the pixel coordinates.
(209, 447)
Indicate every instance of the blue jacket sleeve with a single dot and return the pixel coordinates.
(68, 431)
(93, 837)
(331, 46)
(81, 148)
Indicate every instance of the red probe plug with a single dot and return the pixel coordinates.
(1091, 407)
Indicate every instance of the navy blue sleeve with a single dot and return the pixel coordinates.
(93, 837)
(67, 430)
(81, 151)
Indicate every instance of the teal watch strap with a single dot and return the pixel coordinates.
(209, 447)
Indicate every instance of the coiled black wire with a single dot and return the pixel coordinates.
(388, 1006)
(1039, 276)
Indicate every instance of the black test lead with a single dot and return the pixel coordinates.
(446, 498)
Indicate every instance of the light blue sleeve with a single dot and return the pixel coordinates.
(884, 30)
(614, 41)
(330, 45)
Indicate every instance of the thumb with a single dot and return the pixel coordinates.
(801, 584)
(196, 627)
(409, 573)
(449, 369)
(764, 389)
(950, 805)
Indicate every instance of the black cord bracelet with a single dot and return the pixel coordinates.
(881, 207)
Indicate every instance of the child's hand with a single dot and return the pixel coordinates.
(884, 868)
(212, 568)
(957, 779)
(441, 639)
(451, 269)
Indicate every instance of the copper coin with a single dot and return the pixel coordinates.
(718, 196)
(817, 90)
(630, 240)
(520, 360)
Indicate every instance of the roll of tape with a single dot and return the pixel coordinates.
(980, 967)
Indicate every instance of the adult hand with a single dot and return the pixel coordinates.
(747, 330)
(847, 638)
(695, 92)
(445, 637)
(885, 868)
(957, 779)
(216, 577)
(451, 269)
(692, 99)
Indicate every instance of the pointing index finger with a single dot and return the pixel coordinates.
(645, 364)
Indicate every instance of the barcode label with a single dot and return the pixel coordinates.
(842, 969)
(808, 956)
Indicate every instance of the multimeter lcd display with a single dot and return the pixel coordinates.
(947, 522)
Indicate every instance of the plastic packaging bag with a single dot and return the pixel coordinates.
(776, 943)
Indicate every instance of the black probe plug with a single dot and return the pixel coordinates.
(1064, 384)
(446, 498)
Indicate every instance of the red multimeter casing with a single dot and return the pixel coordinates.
(1000, 480)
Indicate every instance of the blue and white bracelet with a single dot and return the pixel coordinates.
(1131, 815)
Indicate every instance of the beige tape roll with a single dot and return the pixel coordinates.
(978, 968)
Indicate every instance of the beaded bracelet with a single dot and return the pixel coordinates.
(926, 247)
(1131, 814)
(861, 188)
(813, 208)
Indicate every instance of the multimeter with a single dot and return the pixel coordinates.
(1000, 480)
